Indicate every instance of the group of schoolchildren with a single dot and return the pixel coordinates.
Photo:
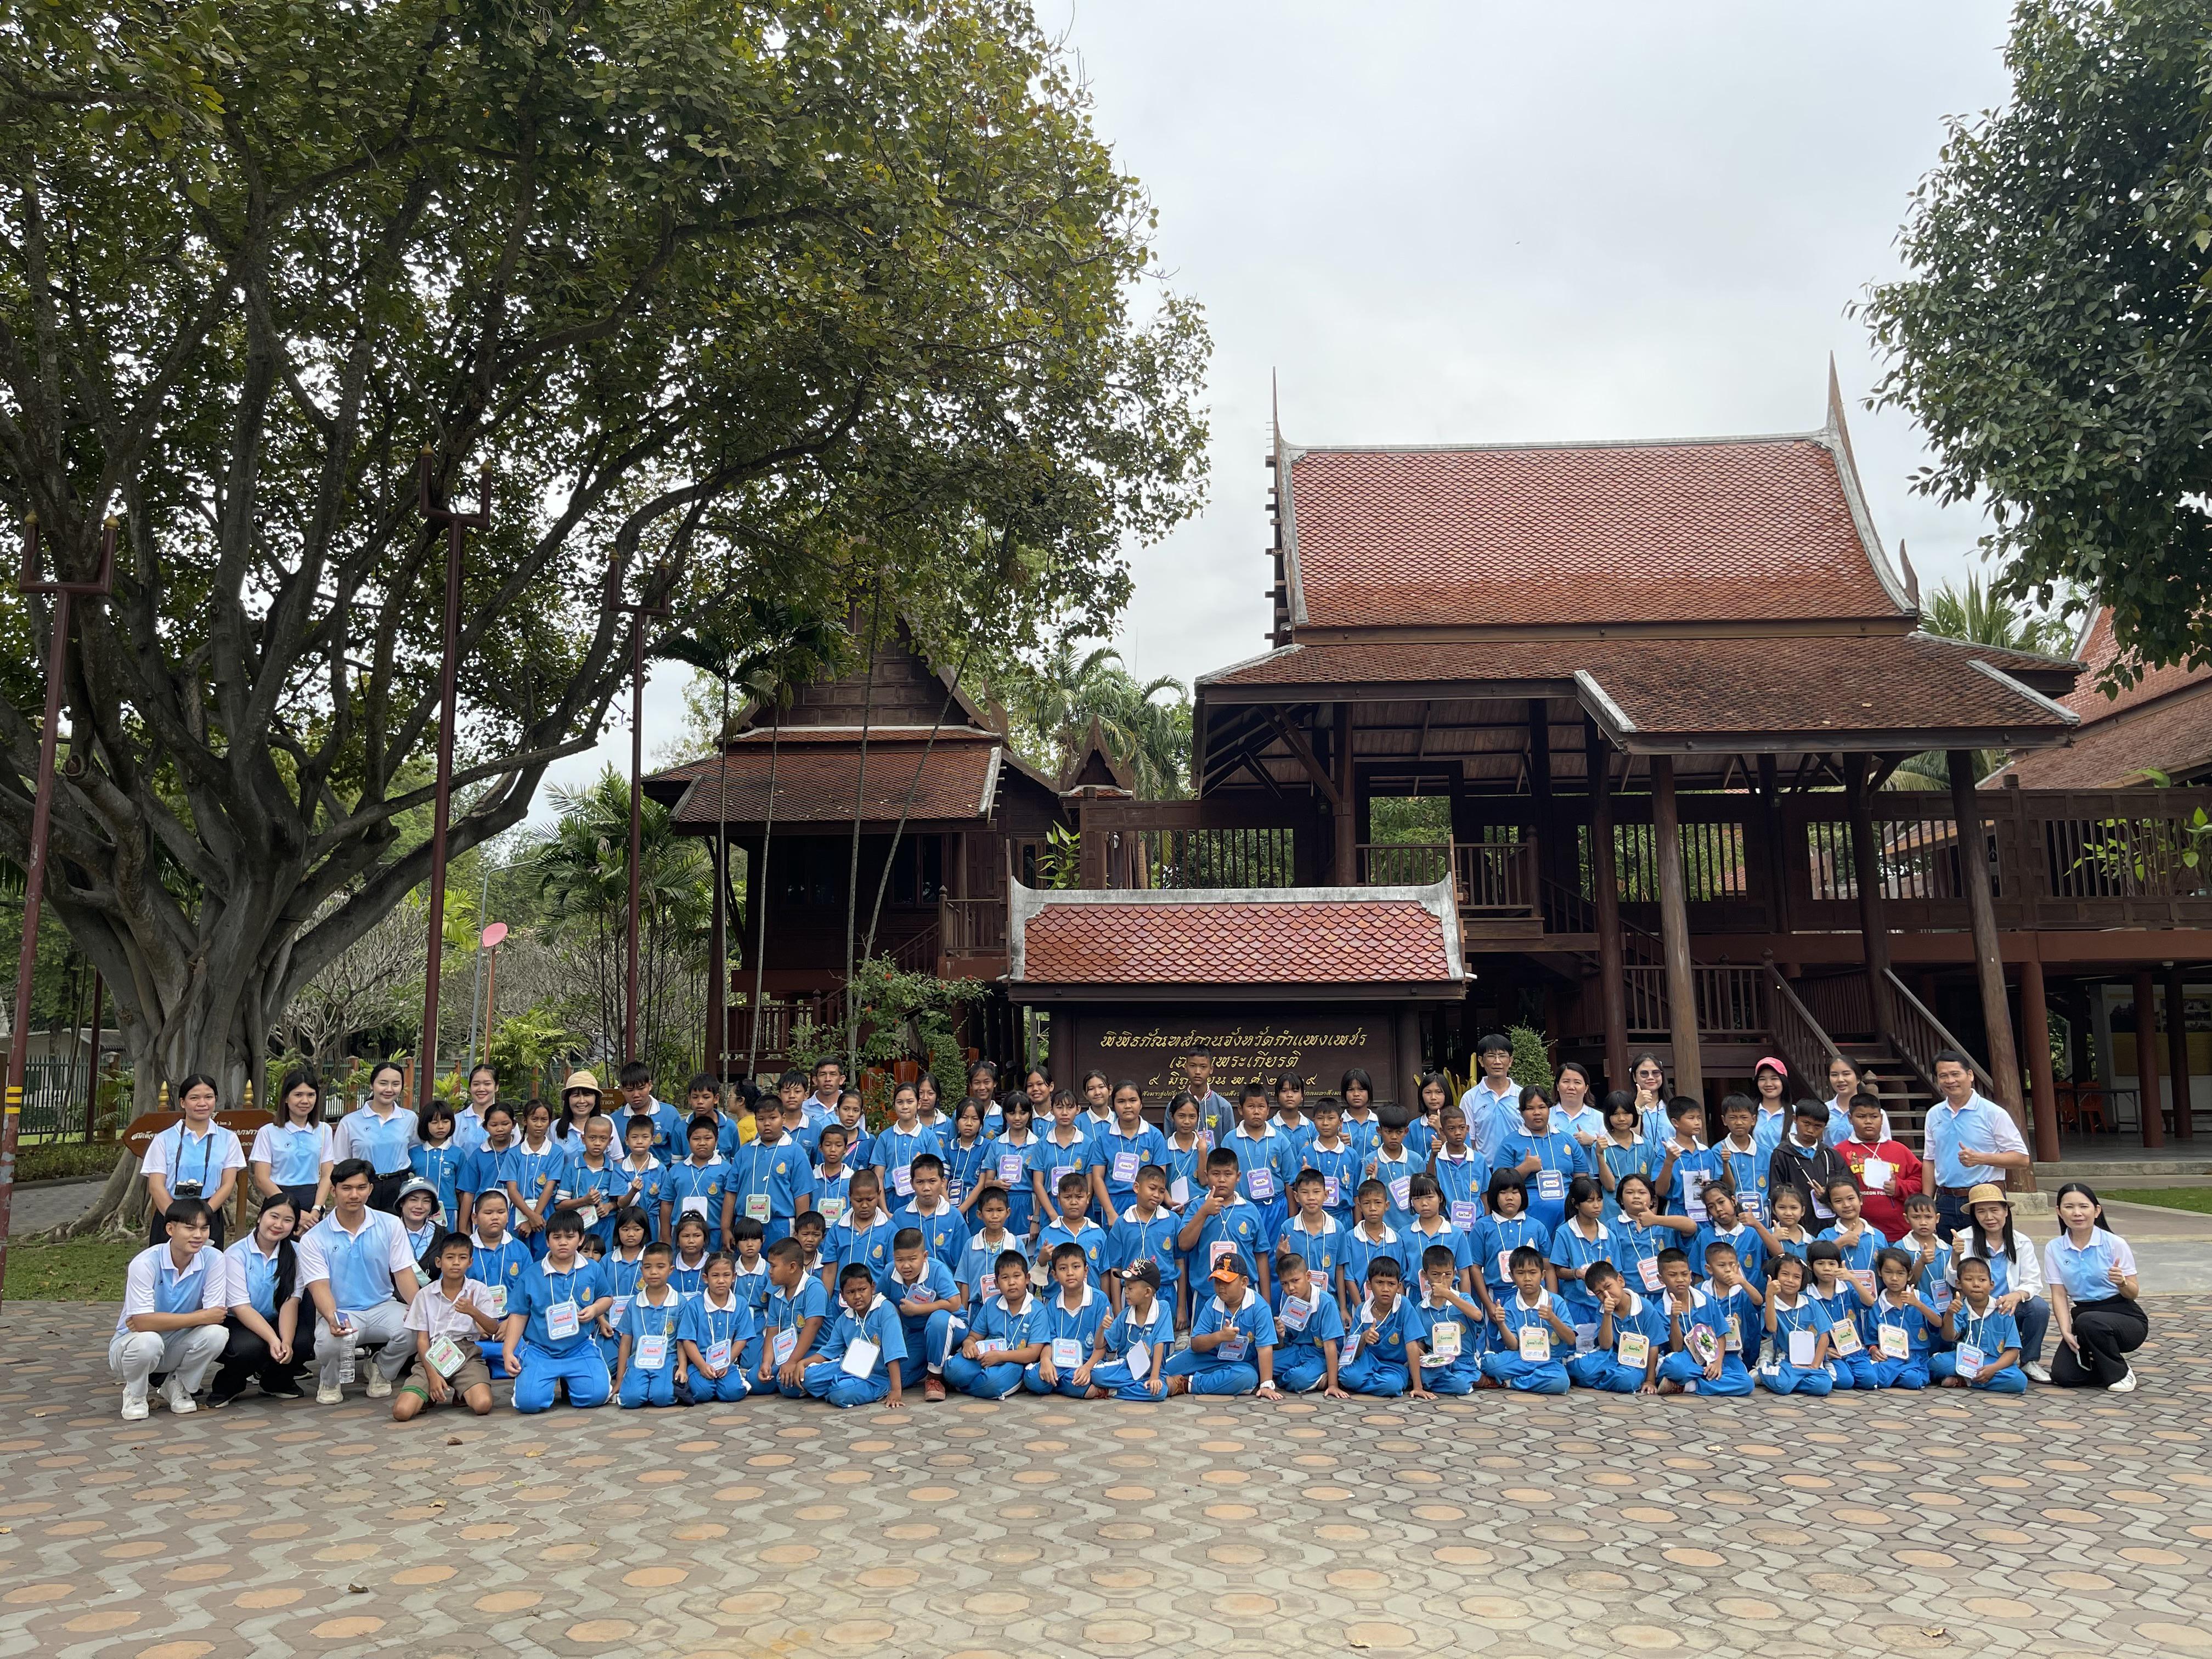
(1042, 1241)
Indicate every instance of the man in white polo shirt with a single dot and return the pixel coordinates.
(173, 1303)
(1969, 1140)
(357, 1267)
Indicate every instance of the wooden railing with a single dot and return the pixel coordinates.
(1840, 1004)
(1800, 1037)
(972, 926)
(1920, 1036)
(1403, 864)
(918, 954)
(1730, 1001)
(1495, 876)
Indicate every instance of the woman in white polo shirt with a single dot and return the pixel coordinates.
(2094, 1297)
(196, 1158)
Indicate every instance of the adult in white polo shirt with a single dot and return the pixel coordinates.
(357, 1268)
(2094, 1295)
(1968, 1140)
(196, 1158)
(173, 1303)
(381, 1131)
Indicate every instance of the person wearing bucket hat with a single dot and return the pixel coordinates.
(422, 1222)
(1233, 1339)
(1138, 1338)
(2015, 1274)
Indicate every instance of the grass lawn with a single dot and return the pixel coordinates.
(2197, 1200)
(79, 1270)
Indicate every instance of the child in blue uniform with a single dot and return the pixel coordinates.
(1461, 1173)
(1074, 1329)
(905, 1139)
(1311, 1233)
(1125, 1146)
(479, 1172)
(1428, 1228)
(1985, 1354)
(1857, 1242)
(437, 1158)
(689, 1275)
(1136, 1340)
(1506, 1228)
(1931, 1262)
(863, 1234)
(976, 1274)
(1626, 1150)
(1723, 1224)
(531, 1169)
(1701, 1358)
(1545, 1159)
(1063, 1149)
(832, 1175)
(1796, 1334)
(967, 1156)
(1845, 1300)
(497, 1259)
(1385, 1338)
(1147, 1232)
(643, 1174)
(775, 1179)
(1577, 1243)
(720, 1337)
(702, 1184)
(650, 1353)
(1530, 1336)
(1005, 1335)
(1371, 1238)
(1630, 1338)
(1338, 1160)
(1011, 1149)
(1453, 1325)
(1267, 1162)
(1076, 1227)
(549, 1332)
(1232, 1337)
(1308, 1328)
(922, 1289)
(798, 1308)
(1896, 1327)
(593, 1183)
(752, 1264)
(1743, 1159)
(1224, 1223)
(932, 1212)
(1691, 1162)
(860, 1361)
(1392, 1164)
(1740, 1305)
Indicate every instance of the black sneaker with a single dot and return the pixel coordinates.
(289, 1388)
(217, 1400)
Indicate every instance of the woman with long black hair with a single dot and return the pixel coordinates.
(197, 1158)
(381, 1132)
(2095, 1298)
(292, 1156)
(263, 1326)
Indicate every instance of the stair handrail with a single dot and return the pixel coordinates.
(1635, 940)
(1794, 1026)
(1911, 1026)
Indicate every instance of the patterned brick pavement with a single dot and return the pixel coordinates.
(2065, 1523)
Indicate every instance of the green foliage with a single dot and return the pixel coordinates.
(1060, 863)
(908, 1015)
(520, 1046)
(65, 1160)
(1532, 1058)
(780, 300)
(1423, 820)
(2051, 338)
(88, 1269)
(1146, 726)
(2196, 1200)
(1982, 615)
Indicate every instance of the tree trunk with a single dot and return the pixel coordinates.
(119, 1211)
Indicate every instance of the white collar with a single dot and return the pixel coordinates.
(713, 1306)
(1444, 1227)
(1325, 1147)
(1029, 1301)
(669, 1293)
(476, 1240)
(711, 1162)
(651, 1162)
(944, 1207)
(846, 1309)
(1445, 1156)
(688, 1267)
(1089, 1296)
(1635, 1305)
(881, 1220)
(1250, 1295)
(1389, 1234)
(1543, 1299)
(1267, 1132)
(1327, 1224)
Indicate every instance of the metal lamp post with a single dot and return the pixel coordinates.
(35, 864)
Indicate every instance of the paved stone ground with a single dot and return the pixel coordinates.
(2064, 1523)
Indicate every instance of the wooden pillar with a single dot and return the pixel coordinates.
(2177, 1052)
(1549, 860)
(2154, 1116)
(1972, 842)
(1674, 932)
(1774, 861)
(1866, 879)
(718, 963)
(1605, 886)
(2043, 1083)
(1346, 870)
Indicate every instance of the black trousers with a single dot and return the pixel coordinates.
(2108, 1332)
(384, 1195)
(245, 1358)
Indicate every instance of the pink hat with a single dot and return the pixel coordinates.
(1771, 1061)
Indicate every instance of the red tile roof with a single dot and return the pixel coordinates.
(2173, 735)
(1725, 530)
(1096, 941)
(815, 778)
(1881, 683)
(2100, 651)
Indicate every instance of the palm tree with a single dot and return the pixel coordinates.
(1058, 700)
(1979, 615)
(768, 649)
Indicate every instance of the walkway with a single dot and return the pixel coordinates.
(2065, 1522)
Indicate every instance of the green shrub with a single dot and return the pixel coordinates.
(58, 1160)
(1532, 1061)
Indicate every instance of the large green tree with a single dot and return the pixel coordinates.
(2054, 337)
(803, 300)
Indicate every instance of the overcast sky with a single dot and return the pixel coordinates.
(1491, 221)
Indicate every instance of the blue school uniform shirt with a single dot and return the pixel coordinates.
(1491, 1116)
(1385, 1338)
(1770, 1129)
(1421, 1139)
(945, 1233)
(1052, 1159)
(439, 1165)
(651, 1183)
(1116, 1151)
(1570, 1250)
(1858, 1257)
(1645, 1157)
(1704, 1309)
(1463, 1180)
(1358, 1252)
(1396, 1175)
(964, 1166)
(1497, 1236)
(1735, 1318)
(689, 1279)
(788, 1310)
(1934, 1283)
(705, 1324)
(641, 1319)
(1560, 1159)
(781, 1173)
(545, 1287)
(1365, 1133)
(1701, 1161)
(1320, 1251)
(879, 1325)
(1993, 1332)
(1086, 1234)
(1906, 1318)
(1418, 1244)
(622, 1280)
(668, 1126)
(1240, 1227)
(1516, 1316)
(1265, 1164)
(871, 1246)
(993, 1320)
(893, 1152)
(1256, 1326)
(479, 1171)
(1008, 1166)
(833, 1194)
(527, 1168)
(601, 1189)
(1810, 1314)
(1750, 1251)
(935, 1284)
(1323, 1321)
(1340, 1168)
(1134, 1239)
(702, 1185)
(979, 1262)
(1157, 1332)
(500, 1265)
(1747, 1172)
(1634, 1247)
(1644, 1318)
(1079, 1324)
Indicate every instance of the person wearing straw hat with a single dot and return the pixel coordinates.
(2016, 1275)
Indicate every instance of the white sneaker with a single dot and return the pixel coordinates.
(328, 1394)
(2125, 1385)
(2037, 1371)
(380, 1385)
(134, 1407)
(178, 1396)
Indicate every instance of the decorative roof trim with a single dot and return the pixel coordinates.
(2049, 706)
(1609, 713)
(987, 805)
(1836, 438)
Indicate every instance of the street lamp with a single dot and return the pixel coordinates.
(35, 862)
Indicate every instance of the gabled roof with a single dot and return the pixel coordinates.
(2162, 722)
(1397, 939)
(955, 778)
(1686, 533)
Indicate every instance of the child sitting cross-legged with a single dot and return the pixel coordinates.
(1074, 1328)
(1005, 1335)
(1796, 1333)
(1136, 1340)
(720, 1337)
(1233, 1339)
(649, 1361)
(1529, 1329)
(1453, 1323)
(1631, 1334)
(1704, 1353)
(921, 1288)
(1987, 1351)
(1384, 1346)
(1897, 1325)
(859, 1363)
